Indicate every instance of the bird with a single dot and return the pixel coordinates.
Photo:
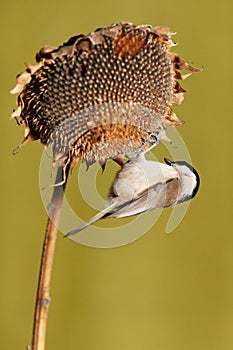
(143, 185)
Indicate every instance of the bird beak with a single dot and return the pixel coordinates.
(168, 162)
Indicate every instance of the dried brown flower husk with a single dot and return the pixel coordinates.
(100, 96)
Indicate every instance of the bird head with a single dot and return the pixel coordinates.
(189, 179)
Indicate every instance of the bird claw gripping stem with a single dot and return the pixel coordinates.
(152, 139)
(101, 96)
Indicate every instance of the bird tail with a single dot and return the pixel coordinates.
(95, 218)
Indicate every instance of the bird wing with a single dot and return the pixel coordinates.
(161, 195)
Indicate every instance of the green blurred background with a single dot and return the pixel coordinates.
(166, 292)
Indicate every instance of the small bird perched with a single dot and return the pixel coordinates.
(143, 185)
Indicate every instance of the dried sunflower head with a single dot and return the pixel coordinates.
(100, 96)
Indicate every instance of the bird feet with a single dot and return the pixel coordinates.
(152, 138)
